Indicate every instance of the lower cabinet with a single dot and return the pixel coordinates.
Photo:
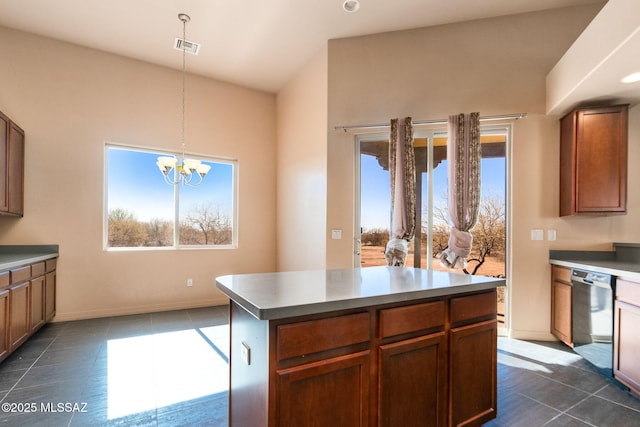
(421, 363)
(473, 374)
(19, 325)
(626, 363)
(332, 392)
(27, 302)
(561, 291)
(4, 324)
(413, 382)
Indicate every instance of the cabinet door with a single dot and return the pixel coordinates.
(561, 311)
(50, 296)
(412, 382)
(4, 173)
(593, 161)
(15, 166)
(473, 380)
(19, 324)
(4, 324)
(37, 303)
(626, 363)
(601, 158)
(332, 392)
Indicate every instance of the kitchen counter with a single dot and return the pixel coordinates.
(623, 261)
(12, 256)
(286, 294)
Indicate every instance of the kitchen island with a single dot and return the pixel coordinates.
(369, 346)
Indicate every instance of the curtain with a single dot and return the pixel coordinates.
(402, 172)
(463, 155)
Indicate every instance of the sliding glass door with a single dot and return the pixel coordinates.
(488, 255)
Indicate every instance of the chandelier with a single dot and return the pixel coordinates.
(187, 171)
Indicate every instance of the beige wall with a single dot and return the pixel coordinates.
(495, 66)
(302, 167)
(70, 100)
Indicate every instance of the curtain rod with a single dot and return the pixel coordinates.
(431, 122)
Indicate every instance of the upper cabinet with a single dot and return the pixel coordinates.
(12, 164)
(593, 161)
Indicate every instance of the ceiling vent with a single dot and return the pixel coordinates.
(189, 47)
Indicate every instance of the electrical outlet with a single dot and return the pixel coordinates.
(189, 282)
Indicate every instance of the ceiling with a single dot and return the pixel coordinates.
(255, 43)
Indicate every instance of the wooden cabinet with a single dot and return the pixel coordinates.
(19, 322)
(413, 365)
(593, 161)
(561, 293)
(4, 323)
(50, 289)
(413, 382)
(331, 392)
(626, 340)
(27, 302)
(12, 163)
(420, 363)
(473, 356)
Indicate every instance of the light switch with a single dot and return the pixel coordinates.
(551, 234)
(245, 353)
(537, 234)
(336, 234)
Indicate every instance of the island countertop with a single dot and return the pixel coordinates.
(286, 294)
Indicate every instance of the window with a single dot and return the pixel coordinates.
(143, 211)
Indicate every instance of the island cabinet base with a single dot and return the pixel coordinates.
(421, 363)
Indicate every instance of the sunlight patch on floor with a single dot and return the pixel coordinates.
(525, 355)
(151, 371)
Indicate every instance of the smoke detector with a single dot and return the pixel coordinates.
(351, 5)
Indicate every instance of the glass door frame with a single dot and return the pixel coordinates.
(505, 129)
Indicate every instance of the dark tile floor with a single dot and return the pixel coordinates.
(170, 369)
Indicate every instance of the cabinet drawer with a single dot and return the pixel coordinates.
(37, 269)
(403, 320)
(628, 291)
(4, 279)
(297, 339)
(20, 274)
(51, 265)
(561, 273)
(473, 307)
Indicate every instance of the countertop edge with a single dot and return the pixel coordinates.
(25, 259)
(273, 313)
(596, 266)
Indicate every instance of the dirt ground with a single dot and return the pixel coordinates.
(374, 255)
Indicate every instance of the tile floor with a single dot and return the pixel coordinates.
(170, 369)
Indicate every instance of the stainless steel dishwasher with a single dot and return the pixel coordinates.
(592, 317)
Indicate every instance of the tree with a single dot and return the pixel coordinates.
(124, 229)
(159, 232)
(206, 225)
(489, 233)
(375, 237)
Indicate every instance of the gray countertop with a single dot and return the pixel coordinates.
(297, 293)
(624, 261)
(12, 256)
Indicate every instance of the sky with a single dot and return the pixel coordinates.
(135, 183)
(376, 193)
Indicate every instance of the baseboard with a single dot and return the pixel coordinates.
(531, 335)
(126, 311)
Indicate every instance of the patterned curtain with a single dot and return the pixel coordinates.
(463, 155)
(402, 171)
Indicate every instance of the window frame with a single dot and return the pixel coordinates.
(176, 200)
